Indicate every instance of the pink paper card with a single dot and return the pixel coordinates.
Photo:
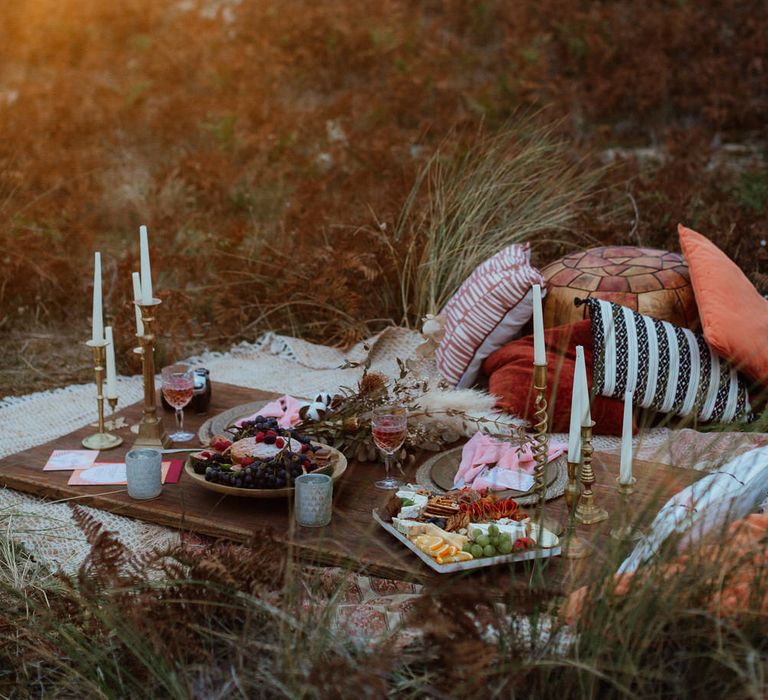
(107, 474)
(67, 460)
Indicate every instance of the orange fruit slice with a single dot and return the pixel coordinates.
(462, 556)
(428, 542)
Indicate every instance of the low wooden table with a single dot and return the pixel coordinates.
(352, 539)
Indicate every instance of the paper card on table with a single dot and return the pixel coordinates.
(106, 474)
(67, 460)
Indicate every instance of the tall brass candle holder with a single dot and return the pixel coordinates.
(574, 546)
(587, 512)
(541, 449)
(627, 530)
(151, 432)
(101, 440)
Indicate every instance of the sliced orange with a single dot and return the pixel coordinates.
(462, 556)
(428, 542)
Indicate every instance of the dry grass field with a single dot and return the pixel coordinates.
(271, 148)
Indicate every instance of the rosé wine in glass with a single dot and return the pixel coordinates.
(389, 425)
(178, 388)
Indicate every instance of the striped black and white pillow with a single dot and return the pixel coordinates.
(669, 369)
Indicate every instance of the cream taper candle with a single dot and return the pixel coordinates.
(98, 319)
(111, 369)
(581, 368)
(137, 298)
(625, 465)
(146, 271)
(539, 350)
(577, 401)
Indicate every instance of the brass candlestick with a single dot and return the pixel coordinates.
(101, 440)
(541, 449)
(575, 547)
(587, 512)
(151, 432)
(627, 530)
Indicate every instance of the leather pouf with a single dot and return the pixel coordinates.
(652, 282)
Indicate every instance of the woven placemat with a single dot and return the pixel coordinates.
(557, 478)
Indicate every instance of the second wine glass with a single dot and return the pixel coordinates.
(178, 389)
(389, 425)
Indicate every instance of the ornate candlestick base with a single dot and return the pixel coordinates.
(101, 440)
(573, 547)
(587, 513)
(151, 431)
(626, 531)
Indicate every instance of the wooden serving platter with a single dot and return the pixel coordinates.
(336, 467)
(485, 562)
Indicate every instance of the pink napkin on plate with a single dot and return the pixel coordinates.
(285, 409)
(489, 463)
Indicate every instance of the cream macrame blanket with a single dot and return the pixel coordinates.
(273, 363)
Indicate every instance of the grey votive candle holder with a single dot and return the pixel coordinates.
(313, 500)
(143, 468)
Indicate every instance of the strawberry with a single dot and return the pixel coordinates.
(220, 443)
(280, 443)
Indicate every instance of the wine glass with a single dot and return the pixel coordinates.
(389, 425)
(178, 388)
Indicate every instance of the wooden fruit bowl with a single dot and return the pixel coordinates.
(335, 468)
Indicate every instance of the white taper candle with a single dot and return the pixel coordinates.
(581, 368)
(539, 350)
(137, 297)
(625, 465)
(111, 370)
(146, 270)
(98, 318)
(577, 401)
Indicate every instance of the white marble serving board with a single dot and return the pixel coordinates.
(466, 565)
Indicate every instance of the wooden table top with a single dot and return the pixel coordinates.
(352, 539)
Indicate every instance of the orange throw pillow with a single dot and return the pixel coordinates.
(734, 316)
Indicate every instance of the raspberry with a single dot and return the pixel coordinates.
(259, 437)
(280, 442)
(246, 461)
(305, 448)
(271, 433)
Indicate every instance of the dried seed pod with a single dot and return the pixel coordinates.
(361, 454)
(373, 453)
(351, 424)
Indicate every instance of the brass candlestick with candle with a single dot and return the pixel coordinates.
(587, 512)
(574, 547)
(102, 440)
(627, 531)
(541, 448)
(151, 432)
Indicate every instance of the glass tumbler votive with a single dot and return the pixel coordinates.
(313, 500)
(143, 469)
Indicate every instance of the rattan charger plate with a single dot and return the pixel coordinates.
(438, 471)
(217, 425)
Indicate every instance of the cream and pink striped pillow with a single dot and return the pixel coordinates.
(489, 310)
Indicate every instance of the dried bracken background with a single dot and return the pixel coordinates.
(271, 147)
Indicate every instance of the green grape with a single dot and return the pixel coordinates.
(489, 550)
(505, 547)
(493, 530)
(467, 547)
(494, 541)
(476, 551)
(483, 540)
(505, 537)
(476, 532)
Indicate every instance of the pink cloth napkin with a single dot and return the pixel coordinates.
(285, 409)
(488, 463)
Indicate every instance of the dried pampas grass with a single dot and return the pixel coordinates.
(445, 415)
